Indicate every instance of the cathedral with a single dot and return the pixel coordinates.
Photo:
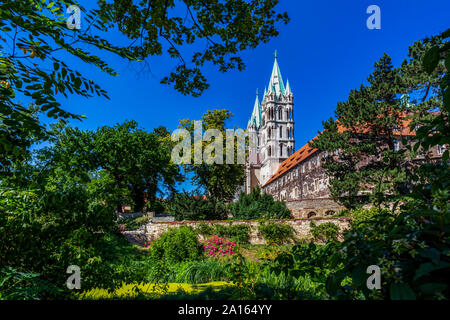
(271, 130)
(273, 165)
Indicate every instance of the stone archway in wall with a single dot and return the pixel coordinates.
(329, 213)
(311, 214)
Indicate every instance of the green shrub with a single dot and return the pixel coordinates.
(18, 285)
(188, 207)
(239, 233)
(325, 232)
(177, 245)
(41, 233)
(205, 229)
(362, 215)
(236, 232)
(258, 205)
(276, 232)
(134, 223)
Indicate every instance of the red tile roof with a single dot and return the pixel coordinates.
(297, 157)
(306, 151)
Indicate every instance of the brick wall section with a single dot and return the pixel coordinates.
(152, 231)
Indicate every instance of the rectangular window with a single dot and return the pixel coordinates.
(396, 145)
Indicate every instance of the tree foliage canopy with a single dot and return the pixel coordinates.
(221, 181)
(35, 43)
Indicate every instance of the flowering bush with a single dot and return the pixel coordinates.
(216, 246)
(147, 244)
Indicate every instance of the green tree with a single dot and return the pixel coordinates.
(123, 163)
(221, 181)
(411, 247)
(35, 43)
(367, 167)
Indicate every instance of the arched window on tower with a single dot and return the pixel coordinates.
(281, 150)
(287, 133)
(281, 132)
(269, 151)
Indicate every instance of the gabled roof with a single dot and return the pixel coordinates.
(297, 157)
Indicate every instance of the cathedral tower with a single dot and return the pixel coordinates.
(271, 130)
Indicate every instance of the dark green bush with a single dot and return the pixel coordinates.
(188, 207)
(258, 205)
(134, 223)
(325, 232)
(276, 232)
(18, 285)
(236, 232)
(177, 245)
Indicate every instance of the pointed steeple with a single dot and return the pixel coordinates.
(256, 118)
(288, 88)
(276, 84)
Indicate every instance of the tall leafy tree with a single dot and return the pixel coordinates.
(411, 246)
(363, 162)
(220, 180)
(123, 164)
(136, 161)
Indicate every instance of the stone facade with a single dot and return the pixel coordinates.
(153, 231)
(270, 130)
(309, 208)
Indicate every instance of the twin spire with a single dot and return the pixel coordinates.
(276, 86)
(256, 119)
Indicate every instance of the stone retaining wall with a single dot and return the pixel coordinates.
(153, 230)
(308, 208)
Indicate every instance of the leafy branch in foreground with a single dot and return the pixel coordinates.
(35, 45)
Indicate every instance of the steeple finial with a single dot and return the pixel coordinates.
(276, 81)
(288, 88)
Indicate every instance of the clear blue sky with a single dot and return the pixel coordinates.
(325, 51)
